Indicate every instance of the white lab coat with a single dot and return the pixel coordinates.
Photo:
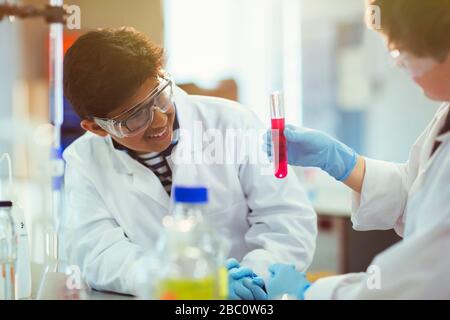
(414, 199)
(115, 205)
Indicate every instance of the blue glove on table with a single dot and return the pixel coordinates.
(312, 148)
(284, 279)
(243, 283)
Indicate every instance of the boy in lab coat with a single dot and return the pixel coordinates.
(119, 175)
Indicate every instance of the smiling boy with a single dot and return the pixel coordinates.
(119, 175)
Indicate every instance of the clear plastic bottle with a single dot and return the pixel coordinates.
(8, 252)
(190, 255)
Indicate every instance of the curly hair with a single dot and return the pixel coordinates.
(105, 67)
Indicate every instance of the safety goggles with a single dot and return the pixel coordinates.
(416, 67)
(137, 118)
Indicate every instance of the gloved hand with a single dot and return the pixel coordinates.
(284, 279)
(243, 283)
(312, 148)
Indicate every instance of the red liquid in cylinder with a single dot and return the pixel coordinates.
(279, 148)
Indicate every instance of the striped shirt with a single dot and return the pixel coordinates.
(156, 162)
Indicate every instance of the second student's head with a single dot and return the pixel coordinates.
(115, 82)
(418, 35)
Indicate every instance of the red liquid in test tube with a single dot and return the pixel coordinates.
(279, 150)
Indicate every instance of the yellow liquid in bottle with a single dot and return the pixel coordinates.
(195, 289)
(186, 289)
(223, 283)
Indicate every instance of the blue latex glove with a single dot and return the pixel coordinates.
(312, 148)
(284, 279)
(243, 283)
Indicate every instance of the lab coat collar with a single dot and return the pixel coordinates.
(143, 179)
(426, 158)
(120, 158)
(444, 137)
(185, 111)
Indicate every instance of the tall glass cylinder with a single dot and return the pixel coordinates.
(279, 150)
(8, 252)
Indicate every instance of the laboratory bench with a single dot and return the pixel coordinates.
(54, 288)
(339, 248)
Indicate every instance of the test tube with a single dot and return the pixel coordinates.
(279, 150)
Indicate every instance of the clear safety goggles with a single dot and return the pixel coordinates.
(140, 116)
(416, 67)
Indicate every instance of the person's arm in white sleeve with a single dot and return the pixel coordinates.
(380, 187)
(415, 268)
(93, 239)
(381, 203)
